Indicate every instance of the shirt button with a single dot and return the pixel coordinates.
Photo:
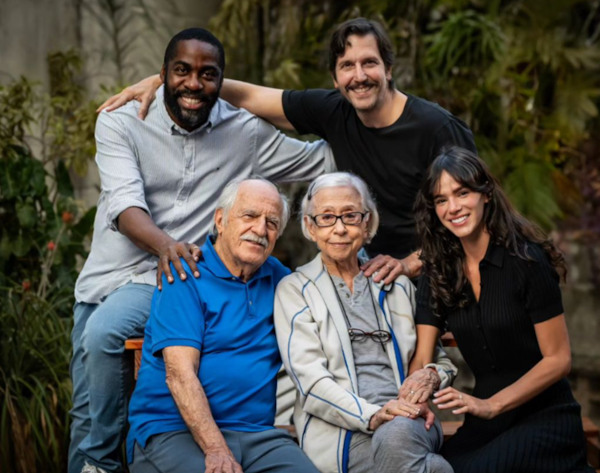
(179, 203)
(250, 302)
(485, 347)
(479, 326)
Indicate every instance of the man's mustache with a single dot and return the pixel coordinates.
(255, 239)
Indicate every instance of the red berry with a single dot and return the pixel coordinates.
(67, 217)
(51, 246)
(26, 285)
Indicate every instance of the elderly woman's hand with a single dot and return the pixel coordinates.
(420, 385)
(397, 407)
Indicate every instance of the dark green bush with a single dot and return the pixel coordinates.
(42, 233)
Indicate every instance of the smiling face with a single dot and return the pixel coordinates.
(460, 209)
(248, 232)
(361, 75)
(339, 243)
(192, 80)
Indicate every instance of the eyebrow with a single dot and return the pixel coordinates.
(179, 62)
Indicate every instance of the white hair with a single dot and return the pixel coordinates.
(341, 179)
(229, 195)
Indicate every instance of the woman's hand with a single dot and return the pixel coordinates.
(461, 403)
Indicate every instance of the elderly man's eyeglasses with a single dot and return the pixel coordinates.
(329, 220)
(379, 336)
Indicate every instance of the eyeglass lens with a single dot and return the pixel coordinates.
(380, 336)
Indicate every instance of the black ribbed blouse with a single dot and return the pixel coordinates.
(496, 337)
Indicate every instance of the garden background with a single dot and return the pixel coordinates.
(525, 76)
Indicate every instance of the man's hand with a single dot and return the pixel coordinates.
(221, 461)
(420, 385)
(144, 92)
(171, 253)
(388, 268)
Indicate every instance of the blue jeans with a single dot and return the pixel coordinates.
(102, 376)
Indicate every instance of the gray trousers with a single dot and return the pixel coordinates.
(257, 452)
(401, 445)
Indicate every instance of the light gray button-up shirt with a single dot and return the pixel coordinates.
(176, 176)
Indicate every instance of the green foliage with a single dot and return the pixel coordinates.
(42, 232)
(527, 77)
(466, 39)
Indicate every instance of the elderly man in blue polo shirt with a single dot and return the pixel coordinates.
(205, 396)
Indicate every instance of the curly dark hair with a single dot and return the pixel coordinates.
(441, 251)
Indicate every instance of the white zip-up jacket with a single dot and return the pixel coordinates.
(317, 354)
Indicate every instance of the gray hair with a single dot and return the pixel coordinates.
(230, 192)
(341, 179)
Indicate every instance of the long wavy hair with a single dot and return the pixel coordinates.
(441, 251)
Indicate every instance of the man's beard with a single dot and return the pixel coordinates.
(190, 119)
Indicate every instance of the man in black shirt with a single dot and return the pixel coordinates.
(385, 136)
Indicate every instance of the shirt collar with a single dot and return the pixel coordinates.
(495, 255)
(217, 267)
(213, 118)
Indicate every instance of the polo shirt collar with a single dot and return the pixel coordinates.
(495, 255)
(213, 118)
(217, 267)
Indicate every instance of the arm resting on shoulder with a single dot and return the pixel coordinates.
(143, 91)
(137, 225)
(181, 364)
(265, 102)
(389, 268)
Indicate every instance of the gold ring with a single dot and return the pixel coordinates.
(460, 396)
(387, 411)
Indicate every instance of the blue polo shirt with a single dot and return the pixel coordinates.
(231, 323)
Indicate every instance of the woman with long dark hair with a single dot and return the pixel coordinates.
(491, 278)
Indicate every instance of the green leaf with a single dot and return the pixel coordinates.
(26, 213)
(21, 246)
(63, 180)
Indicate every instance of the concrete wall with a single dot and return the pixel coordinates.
(29, 29)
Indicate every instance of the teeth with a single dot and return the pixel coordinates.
(190, 100)
(459, 220)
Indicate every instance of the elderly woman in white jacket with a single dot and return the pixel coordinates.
(347, 342)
